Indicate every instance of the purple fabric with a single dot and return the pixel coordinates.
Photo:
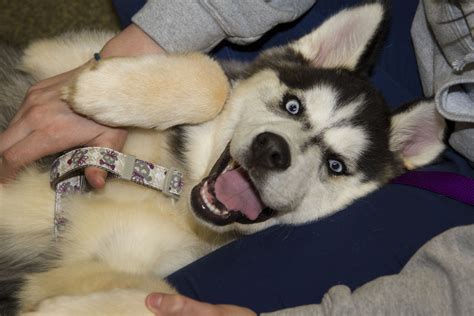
(449, 184)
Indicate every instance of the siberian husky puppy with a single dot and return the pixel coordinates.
(298, 136)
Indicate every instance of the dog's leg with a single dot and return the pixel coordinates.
(83, 278)
(153, 91)
(114, 302)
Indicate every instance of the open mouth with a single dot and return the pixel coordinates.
(228, 195)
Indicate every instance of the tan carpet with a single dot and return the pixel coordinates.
(24, 20)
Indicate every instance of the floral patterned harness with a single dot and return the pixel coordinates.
(66, 176)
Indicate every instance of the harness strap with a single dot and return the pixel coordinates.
(66, 175)
(452, 185)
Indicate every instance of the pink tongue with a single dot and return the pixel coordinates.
(234, 190)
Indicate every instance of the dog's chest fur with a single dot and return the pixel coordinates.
(136, 229)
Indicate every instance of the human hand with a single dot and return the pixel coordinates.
(45, 125)
(178, 305)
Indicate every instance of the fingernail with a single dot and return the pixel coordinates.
(100, 181)
(97, 180)
(154, 300)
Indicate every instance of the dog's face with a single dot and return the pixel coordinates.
(312, 134)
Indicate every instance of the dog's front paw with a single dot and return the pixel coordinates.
(93, 92)
(150, 91)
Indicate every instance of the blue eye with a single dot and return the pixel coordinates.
(336, 167)
(293, 106)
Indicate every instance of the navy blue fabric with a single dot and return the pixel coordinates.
(290, 266)
(126, 9)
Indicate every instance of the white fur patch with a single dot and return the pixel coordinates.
(321, 102)
(326, 198)
(348, 141)
(323, 111)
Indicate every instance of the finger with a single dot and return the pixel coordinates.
(40, 94)
(113, 139)
(171, 305)
(13, 134)
(96, 177)
(31, 99)
(60, 78)
(24, 107)
(178, 305)
(24, 152)
(45, 90)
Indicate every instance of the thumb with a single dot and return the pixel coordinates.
(95, 177)
(178, 305)
(115, 139)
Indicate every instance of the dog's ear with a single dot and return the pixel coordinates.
(346, 40)
(417, 133)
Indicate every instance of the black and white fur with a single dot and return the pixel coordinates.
(302, 123)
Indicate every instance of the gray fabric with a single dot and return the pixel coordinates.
(199, 25)
(462, 139)
(438, 280)
(443, 38)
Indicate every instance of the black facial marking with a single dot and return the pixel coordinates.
(307, 125)
(177, 142)
(312, 141)
(278, 59)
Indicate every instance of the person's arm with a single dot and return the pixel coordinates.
(132, 41)
(201, 24)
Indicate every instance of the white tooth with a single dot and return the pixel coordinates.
(203, 191)
(209, 205)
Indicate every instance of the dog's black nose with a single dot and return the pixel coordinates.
(270, 151)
